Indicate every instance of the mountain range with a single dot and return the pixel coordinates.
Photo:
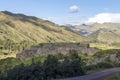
(19, 27)
(105, 33)
(88, 29)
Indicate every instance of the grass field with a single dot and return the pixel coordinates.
(114, 77)
(6, 56)
(104, 46)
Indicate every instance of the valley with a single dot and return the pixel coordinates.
(43, 50)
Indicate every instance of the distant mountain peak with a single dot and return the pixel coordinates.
(18, 15)
(7, 12)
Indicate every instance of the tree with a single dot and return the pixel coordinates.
(51, 64)
(73, 55)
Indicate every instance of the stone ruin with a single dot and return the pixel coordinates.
(54, 48)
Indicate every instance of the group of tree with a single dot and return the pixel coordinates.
(9, 45)
(53, 67)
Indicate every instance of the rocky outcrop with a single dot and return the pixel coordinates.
(49, 48)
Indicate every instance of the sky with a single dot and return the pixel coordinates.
(63, 12)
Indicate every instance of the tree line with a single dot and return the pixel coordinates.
(9, 46)
(53, 67)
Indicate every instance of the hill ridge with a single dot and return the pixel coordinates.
(105, 35)
(19, 27)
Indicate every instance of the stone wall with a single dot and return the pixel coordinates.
(54, 48)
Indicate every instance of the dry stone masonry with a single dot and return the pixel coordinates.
(54, 48)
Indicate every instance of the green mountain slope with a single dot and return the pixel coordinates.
(105, 36)
(19, 27)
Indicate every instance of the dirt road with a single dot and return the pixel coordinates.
(96, 76)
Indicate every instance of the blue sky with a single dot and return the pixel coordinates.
(64, 11)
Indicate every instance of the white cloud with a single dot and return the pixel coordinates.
(105, 17)
(74, 9)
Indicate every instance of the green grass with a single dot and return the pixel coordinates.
(104, 46)
(98, 67)
(6, 54)
(104, 53)
(114, 77)
(8, 63)
(35, 30)
(40, 59)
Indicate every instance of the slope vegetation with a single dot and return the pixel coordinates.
(105, 36)
(19, 27)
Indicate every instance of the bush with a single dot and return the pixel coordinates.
(51, 68)
(105, 65)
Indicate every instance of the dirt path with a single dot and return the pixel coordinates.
(96, 76)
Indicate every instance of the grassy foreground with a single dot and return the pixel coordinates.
(114, 77)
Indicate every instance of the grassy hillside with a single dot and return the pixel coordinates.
(19, 32)
(105, 36)
(19, 27)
